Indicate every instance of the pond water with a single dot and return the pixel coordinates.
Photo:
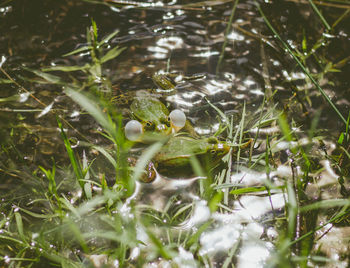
(241, 68)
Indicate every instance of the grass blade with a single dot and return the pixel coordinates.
(228, 29)
(93, 109)
(75, 164)
(320, 15)
(145, 158)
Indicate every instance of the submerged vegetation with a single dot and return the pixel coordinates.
(258, 177)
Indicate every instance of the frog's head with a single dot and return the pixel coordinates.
(217, 149)
(163, 81)
(153, 116)
(160, 125)
(135, 131)
(166, 124)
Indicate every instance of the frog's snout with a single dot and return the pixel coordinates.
(224, 148)
(161, 128)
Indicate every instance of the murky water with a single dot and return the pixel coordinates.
(187, 40)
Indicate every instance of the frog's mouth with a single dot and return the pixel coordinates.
(163, 128)
(223, 148)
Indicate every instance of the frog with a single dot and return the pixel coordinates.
(165, 87)
(174, 158)
(149, 113)
(165, 83)
(152, 116)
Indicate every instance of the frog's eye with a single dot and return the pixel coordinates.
(177, 119)
(133, 130)
(168, 121)
(165, 121)
(149, 125)
(213, 151)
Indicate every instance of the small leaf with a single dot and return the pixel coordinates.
(215, 201)
(111, 54)
(94, 28)
(341, 138)
(87, 190)
(19, 223)
(66, 68)
(78, 50)
(285, 127)
(108, 37)
(48, 77)
(304, 44)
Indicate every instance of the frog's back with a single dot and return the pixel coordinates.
(148, 109)
(184, 147)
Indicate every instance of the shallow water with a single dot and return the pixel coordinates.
(186, 40)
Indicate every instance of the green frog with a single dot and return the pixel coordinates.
(175, 155)
(164, 82)
(152, 115)
(148, 109)
(174, 158)
(165, 87)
